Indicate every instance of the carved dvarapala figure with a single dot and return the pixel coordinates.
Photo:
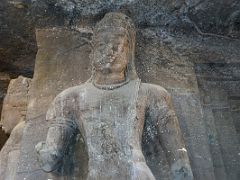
(109, 110)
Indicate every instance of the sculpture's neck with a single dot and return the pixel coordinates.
(109, 78)
(109, 81)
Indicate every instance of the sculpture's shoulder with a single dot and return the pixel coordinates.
(72, 92)
(154, 91)
(65, 102)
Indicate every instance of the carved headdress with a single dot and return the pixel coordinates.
(116, 21)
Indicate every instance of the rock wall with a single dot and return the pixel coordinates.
(13, 120)
(180, 46)
(161, 58)
(4, 80)
(219, 88)
(62, 61)
(19, 18)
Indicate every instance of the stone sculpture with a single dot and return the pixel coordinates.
(109, 111)
(13, 122)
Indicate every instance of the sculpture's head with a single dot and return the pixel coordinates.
(114, 46)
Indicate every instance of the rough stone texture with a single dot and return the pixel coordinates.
(17, 43)
(170, 61)
(18, 18)
(219, 88)
(218, 16)
(62, 61)
(15, 103)
(13, 122)
(4, 81)
(161, 58)
(167, 68)
(171, 34)
(185, 95)
(110, 113)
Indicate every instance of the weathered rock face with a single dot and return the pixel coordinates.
(15, 103)
(110, 110)
(19, 18)
(4, 80)
(162, 59)
(171, 62)
(219, 17)
(219, 88)
(13, 122)
(62, 61)
(17, 43)
(174, 39)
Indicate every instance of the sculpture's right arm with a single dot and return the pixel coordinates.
(60, 134)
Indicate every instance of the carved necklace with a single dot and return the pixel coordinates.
(112, 86)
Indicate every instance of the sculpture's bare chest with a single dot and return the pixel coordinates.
(111, 129)
(110, 115)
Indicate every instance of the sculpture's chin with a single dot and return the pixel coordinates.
(47, 168)
(51, 167)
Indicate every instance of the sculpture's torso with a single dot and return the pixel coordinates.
(112, 132)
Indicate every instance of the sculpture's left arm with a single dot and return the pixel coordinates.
(170, 136)
(60, 134)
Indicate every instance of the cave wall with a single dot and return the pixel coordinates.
(219, 86)
(173, 39)
(161, 58)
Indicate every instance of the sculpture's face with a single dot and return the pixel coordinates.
(111, 50)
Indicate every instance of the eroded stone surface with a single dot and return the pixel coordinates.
(109, 111)
(219, 88)
(19, 18)
(13, 122)
(62, 61)
(157, 52)
(4, 81)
